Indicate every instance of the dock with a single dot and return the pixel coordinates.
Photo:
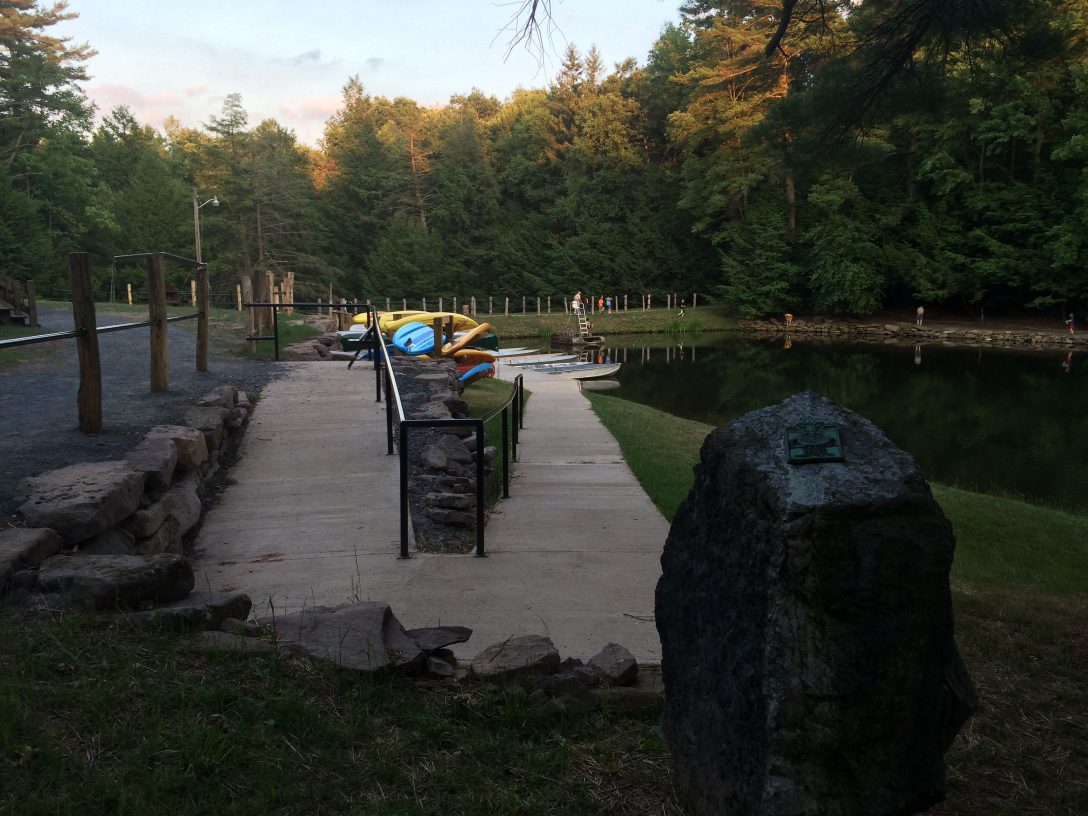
(311, 519)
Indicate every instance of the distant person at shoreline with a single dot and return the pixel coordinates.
(789, 319)
(576, 302)
(608, 304)
(682, 302)
(919, 313)
(1069, 323)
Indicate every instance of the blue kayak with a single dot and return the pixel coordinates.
(476, 372)
(414, 338)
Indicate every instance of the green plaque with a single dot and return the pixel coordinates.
(809, 443)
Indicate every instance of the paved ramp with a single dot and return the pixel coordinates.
(574, 553)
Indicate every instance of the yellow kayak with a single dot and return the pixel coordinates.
(389, 322)
(466, 339)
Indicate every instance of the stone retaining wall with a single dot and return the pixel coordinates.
(905, 333)
(139, 507)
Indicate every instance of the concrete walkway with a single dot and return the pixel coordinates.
(573, 554)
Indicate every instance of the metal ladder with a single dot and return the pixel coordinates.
(583, 321)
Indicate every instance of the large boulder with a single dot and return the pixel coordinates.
(107, 582)
(364, 636)
(806, 625)
(211, 421)
(80, 501)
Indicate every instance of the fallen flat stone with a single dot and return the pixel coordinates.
(166, 539)
(364, 636)
(432, 638)
(524, 656)
(616, 665)
(180, 501)
(200, 610)
(192, 449)
(117, 581)
(80, 501)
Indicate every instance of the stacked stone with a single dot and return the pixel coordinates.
(899, 333)
(126, 517)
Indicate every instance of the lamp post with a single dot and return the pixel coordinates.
(214, 201)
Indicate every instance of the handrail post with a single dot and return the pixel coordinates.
(156, 308)
(89, 398)
(276, 328)
(480, 553)
(516, 405)
(403, 490)
(505, 453)
(388, 411)
(202, 321)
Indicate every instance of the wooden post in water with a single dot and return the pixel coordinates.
(156, 313)
(202, 321)
(89, 398)
(251, 329)
(128, 286)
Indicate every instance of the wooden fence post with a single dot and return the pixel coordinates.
(156, 313)
(289, 290)
(202, 321)
(437, 324)
(268, 295)
(342, 321)
(523, 305)
(565, 309)
(251, 329)
(506, 307)
(549, 304)
(238, 295)
(31, 303)
(538, 307)
(404, 304)
(387, 304)
(128, 286)
(489, 311)
(89, 398)
(694, 300)
(192, 291)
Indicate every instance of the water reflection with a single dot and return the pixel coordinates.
(998, 420)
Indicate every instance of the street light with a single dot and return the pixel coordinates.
(214, 201)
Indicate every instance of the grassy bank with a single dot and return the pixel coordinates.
(1021, 616)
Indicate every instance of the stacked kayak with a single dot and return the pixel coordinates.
(414, 339)
(389, 322)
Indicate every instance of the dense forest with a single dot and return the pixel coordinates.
(820, 166)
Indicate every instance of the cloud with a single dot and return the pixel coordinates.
(312, 57)
(374, 63)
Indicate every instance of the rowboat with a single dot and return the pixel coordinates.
(577, 371)
(516, 351)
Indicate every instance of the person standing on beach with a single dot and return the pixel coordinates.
(918, 315)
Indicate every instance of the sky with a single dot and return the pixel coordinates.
(291, 60)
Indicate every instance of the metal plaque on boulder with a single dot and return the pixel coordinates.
(810, 443)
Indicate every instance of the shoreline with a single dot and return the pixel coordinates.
(910, 334)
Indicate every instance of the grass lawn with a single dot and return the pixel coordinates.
(42, 353)
(1021, 619)
(654, 321)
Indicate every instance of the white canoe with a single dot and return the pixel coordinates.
(518, 351)
(577, 371)
(540, 359)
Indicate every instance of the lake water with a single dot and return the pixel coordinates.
(1007, 422)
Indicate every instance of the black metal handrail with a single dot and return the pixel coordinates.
(275, 307)
(383, 364)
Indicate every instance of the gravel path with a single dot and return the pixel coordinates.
(39, 426)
